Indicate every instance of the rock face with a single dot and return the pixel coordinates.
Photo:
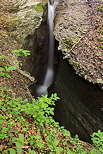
(26, 13)
(18, 20)
(80, 106)
(78, 29)
(31, 14)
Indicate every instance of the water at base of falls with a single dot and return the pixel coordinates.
(48, 80)
(42, 89)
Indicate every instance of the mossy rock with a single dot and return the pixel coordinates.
(39, 8)
(68, 42)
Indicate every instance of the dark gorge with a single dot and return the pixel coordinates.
(80, 106)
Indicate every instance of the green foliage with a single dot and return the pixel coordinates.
(12, 151)
(6, 70)
(40, 113)
(5, 89)
(21, 52)
(41, 109)
(97, 139)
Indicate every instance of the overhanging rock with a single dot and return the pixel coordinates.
(77, 27)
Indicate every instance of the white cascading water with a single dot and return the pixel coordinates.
(48, 80)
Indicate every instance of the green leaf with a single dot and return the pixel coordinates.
(94, 151)
(40, 145)
(2, 74)
(12, 151)
(3, 117)
(71, 152)
(2, 69)
(51, 147)
(31, 151)
(55, 142)
(59, 149)
(66, 133)
(101, 150)
(7, 75)
(18, 147)
(11, 68)
(21, 136)
(5, 89)
(37, 137)
(15, 51)
(21, 52)
(65, 143)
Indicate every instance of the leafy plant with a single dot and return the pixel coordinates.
(18, 111)
(6, 70)
(21, 52)
(97, 139)
(12, 151)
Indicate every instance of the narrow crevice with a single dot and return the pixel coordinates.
(36, 63)
(80, 106)
(37, 43)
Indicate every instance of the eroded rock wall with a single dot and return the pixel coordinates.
(78, 26)
(18, 20)
(26, 13)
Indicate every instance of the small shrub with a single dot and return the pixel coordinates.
(97, 139)
(6, 70)
(44, 138)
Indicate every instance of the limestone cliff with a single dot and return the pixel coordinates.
(78, 29)
(26, 16)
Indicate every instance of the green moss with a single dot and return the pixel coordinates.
(68, 42)
(12, 9)
(12, 26)
(101, 46)
(40, 7)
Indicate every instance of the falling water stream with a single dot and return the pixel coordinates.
(48, 79)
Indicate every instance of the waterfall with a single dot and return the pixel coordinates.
(48, 80)
(49, 74)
